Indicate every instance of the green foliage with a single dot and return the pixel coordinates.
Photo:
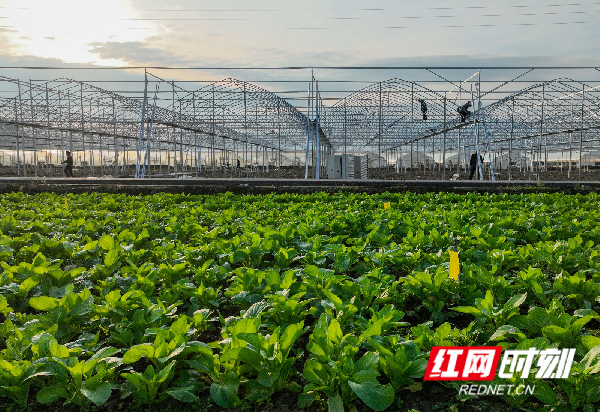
(329, 296)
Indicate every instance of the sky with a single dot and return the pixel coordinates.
(268, 33)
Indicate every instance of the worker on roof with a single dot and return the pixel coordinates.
(464, 111)
(423, 108)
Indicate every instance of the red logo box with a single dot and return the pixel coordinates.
(463, 363)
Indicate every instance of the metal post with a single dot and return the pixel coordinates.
(411, 158)
(181, 162)
(318, 144)
(114, 115)
(512, 129)
(571, 140)
(345, 126)
(542, 134)
(33, 130)
(480, 170)
(82, 121)
(213, 129)
(279, 132)
(458, 148)
(379, 134)
(92, 146)
(17, 137)
(173, 132)
(412, 119)
(245, 127)
(48, 148)
(581, 133)
(444, 147)
(307, 131)
(141, 135)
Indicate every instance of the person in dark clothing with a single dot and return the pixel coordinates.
(423, 108)
(68, 165)
(473, 164)
(238, 163)
(464, 112)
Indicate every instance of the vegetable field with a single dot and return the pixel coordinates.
(331, 302)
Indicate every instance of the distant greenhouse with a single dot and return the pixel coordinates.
(166, 127)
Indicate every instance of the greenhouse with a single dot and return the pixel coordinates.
(524, 127)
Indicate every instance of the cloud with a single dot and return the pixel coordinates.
(137, 53)
(33, 67)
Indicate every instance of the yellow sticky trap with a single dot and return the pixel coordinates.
(66, 205)
(454, 265)
(387, 205)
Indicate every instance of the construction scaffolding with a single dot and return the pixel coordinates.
(433, 121)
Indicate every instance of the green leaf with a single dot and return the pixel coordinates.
(467, 309)
(365, 375)
(289, 336)
(373, 330)
(107, 243)
(515, 301)
(182, 394)
(256, 309)
(555, 333)
(164, 372)
(50, 394)
(58, 351)
(504, 330)
(544, 393)
(239, 256)
(99, 395)
(314, 372)
(475, 231)
(368, 361)
(335, 404)
(306, 399)
(136, 352)
(267, 378)
(590, 342)
(225, 394)
(180, 326)
(44, 303)
(375, 396)
(337, 302)
(105, 353)
(591, 360)
(334, 332)
(111, 257)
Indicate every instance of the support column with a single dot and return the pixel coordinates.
(318, 138)
(581, 133)
(114, 115)
(379, 134)
(444, 145)
(174, 142)
(307, 132)
(542, 134)
(33, 130)
(17, 127)
(345, 125)
(571, 141)
(510, 142)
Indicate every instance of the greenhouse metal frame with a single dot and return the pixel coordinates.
(520, 122)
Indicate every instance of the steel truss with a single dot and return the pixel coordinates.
(210, 127)
(223, 122)
(386, 119)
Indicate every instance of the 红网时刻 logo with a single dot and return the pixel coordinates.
(483, 363)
